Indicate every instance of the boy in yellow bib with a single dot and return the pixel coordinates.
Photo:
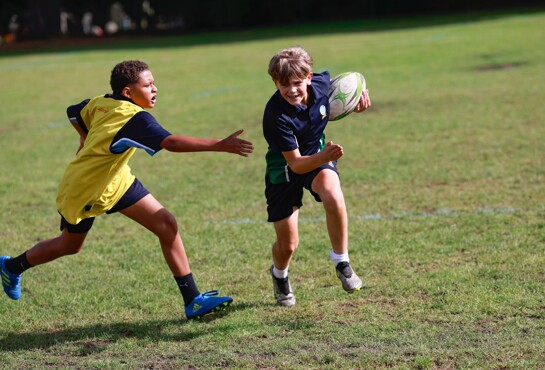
(112, 127)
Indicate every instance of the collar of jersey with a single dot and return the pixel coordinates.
(118, 97)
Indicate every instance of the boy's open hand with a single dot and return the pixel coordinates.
(233, 144)
(364, 103)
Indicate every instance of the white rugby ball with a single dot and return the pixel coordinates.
(344, 94)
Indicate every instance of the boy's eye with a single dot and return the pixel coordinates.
(298, 83)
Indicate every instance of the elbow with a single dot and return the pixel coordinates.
(168, 144)
(297, 169)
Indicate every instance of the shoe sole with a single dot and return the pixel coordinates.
(353, 290)
(219, 308)
(286, 302)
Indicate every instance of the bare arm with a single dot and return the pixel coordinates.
(82, 134)
(231, 144)
(303, 164)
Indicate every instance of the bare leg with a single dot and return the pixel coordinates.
(149, 213)
(51, 249)
(328, 187)
(287, 240)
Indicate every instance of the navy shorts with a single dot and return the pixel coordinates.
(281, 198)
(135, 192)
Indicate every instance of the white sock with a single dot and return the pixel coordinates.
(280, 274)
(336, 258)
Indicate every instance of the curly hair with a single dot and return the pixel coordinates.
(125, 73)
(290, 62)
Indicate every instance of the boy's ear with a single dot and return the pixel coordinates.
(309, 78)
(126, 92)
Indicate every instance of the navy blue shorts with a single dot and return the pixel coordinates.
(281, 198)
(135, 192)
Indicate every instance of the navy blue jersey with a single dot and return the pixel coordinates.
(287, 127)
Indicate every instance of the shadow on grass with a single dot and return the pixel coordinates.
(264, 33)
(93, 338)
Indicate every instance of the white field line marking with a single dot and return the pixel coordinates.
(57, 124)
(441, 212)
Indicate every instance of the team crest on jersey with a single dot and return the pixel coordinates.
(323, 111)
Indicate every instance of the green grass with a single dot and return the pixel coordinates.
(444, 179)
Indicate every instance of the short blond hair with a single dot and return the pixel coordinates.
(291, 62)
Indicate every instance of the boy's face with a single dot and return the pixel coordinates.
(143, 92)
(296, 91)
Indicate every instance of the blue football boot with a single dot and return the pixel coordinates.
(205, 303)
(10, 282)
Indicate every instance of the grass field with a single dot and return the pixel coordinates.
(444, 178)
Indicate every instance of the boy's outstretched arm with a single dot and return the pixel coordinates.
(231, 144)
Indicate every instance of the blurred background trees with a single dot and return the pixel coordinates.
(45, 19)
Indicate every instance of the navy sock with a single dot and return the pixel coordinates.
(18, 265)
(188, 288)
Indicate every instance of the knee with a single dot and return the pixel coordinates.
(333, 201)
(167, 226)
(287, 246)
(72, 248)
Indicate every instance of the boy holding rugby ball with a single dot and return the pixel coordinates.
(299, 158)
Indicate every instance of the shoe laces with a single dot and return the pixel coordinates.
(210, 293)
(15, 279)
(283, 285)
(345, 269)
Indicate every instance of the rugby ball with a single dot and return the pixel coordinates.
(344, 94)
